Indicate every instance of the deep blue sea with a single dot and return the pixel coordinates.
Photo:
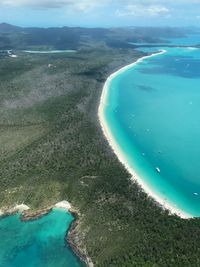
(38, 243)
(153, 113)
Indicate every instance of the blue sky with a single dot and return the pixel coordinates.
(102, 13)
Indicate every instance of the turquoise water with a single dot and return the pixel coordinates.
(153, 113)
(38, 243)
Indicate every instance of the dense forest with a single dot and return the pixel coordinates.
(52, 148)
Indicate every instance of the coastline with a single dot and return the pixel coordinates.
(11, 211)
(71, 240)
(28, 215)
(118, 151)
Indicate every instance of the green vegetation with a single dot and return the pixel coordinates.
(52, 148)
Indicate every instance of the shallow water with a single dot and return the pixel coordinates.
(153, 114)
(38, 243)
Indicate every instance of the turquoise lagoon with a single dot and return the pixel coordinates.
(37, 243)
(153, 114)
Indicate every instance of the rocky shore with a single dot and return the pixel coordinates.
(72, 239)
(28, 215)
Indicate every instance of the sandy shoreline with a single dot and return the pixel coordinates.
(117, 150)
(18, 208)
(22, 208)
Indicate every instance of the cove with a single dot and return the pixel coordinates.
(38, 243)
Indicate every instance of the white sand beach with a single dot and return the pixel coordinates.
(63, 205)
(117, 150)
(18, 208)
(22, 207)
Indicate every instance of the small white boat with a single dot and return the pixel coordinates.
(157, 169)
(196, 194)
(13, 56)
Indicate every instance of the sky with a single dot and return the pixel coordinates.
(100, 13)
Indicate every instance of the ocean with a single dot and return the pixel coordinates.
(152, 111)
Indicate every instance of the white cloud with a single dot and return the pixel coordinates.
(161, 2)
(35, 3)
(158, 10)
(143, 10)
(124, 6)
(59, 3)
(81, 5)
(86, 5)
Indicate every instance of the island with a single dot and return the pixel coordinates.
(52, 146)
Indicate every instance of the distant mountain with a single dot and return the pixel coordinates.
(8, 28)
(14, 37)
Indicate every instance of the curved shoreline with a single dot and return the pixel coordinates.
(118, 151)
(28, 215)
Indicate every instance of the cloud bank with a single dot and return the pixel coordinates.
(61, 3)
(142, 10)
(52, 4)
(103, 12)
